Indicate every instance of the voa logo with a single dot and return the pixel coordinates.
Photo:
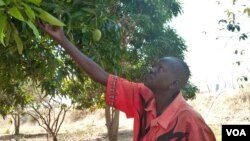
(236, 132)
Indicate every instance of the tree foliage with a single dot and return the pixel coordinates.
(237, 15)
(134, 34)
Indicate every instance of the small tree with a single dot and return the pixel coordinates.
(16, 116)
(112, 122)
(49, 112)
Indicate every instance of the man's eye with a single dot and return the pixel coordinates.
(160, 68)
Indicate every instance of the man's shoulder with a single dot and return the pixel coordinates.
(187, 112)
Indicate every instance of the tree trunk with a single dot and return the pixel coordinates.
(17, 124)
(112, 122)
(54, 138)
(51, 135)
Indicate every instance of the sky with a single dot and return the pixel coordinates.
(210, 53)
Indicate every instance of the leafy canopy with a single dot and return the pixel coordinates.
(134, 34)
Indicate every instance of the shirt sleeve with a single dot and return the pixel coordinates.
(122, 94)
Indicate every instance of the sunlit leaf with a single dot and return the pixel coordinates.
(29, 12)
(18, 40)
(14, 11)
(3, 19)
(2, 3)
(36, 2)
(34, 29)
(49, 18)
(247, 11)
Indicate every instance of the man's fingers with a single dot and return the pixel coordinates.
(49, 29)
(41, 24)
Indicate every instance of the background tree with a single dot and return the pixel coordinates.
(16, 116)
(237, 13)
(48, 111)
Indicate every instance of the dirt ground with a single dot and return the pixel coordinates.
(226, 107)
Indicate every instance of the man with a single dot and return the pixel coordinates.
(160, 112)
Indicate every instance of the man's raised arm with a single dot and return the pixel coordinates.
(95, 72)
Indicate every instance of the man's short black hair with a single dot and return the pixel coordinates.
(181, 70)
(185, 73)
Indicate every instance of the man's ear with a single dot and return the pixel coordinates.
(175, 84)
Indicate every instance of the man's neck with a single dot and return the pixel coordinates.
(163, 100)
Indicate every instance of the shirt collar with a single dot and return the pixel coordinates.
(167, 114)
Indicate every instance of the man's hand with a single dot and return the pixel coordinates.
(54, 31)
(95, 72)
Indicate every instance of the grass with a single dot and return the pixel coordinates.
(217, 131)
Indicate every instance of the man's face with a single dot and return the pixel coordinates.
(162, 75)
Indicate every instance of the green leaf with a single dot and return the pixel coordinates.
(49, 18)
(7, 2)
(33, 27)
(236, 52)
(90, 10)
(237, 27)
(2, 3)
(14, 11)
(243, 36)
(245, 78)
(238, 63)
(36, 2)
(3, 19)
(234, 2)
(8, 34)
(247, 11)
(222, 21)
(18, 40)
(29, 12)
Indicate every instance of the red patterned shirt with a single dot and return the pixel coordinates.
(179, 122)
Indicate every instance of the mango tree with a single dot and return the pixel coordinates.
(124, 37)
